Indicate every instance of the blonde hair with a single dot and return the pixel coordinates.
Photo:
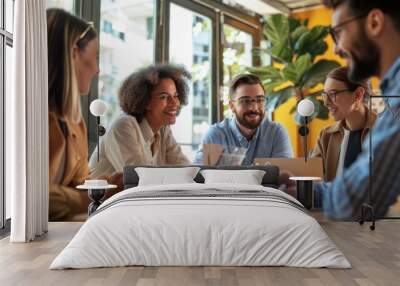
(64, 32)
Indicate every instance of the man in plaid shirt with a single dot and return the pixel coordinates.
(367, 34)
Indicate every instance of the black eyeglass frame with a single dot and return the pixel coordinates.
(333, 30)
(328, 94)
(258, 100)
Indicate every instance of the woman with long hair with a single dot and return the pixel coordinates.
(73, 50)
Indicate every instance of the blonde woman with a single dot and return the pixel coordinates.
(73, 49)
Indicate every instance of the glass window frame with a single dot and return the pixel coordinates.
(220, 14)
(209, 13)
(90, 11)
(250, 28)
(6, 39)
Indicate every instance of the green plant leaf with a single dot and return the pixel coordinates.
(269, 86)
(277, 28)
(319, 49)
(289, 73)
(281, 52)
(295, 72)
(266, 72)
(317, 73)
(302, 64)
(275, 99)
(310, 42)
(297, 33)
(293, 23)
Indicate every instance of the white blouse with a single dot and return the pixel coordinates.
(128, 142)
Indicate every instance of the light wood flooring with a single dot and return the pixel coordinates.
(374, 255)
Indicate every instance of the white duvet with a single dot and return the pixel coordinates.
(188, 231)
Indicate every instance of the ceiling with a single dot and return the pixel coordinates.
(273, 6)
(299, 4)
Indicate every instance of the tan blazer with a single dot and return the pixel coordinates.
(329, 142)
(65, 200)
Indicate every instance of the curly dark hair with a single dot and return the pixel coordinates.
(360, 7)
(135, 92)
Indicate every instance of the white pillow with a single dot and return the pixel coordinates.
(248, 177)
(166, 176)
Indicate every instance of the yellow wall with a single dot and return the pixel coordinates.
(317, 16)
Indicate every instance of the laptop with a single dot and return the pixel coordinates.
(296, 166)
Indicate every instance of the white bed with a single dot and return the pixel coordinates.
(222, 225)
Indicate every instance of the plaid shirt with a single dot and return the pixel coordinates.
(343, 197)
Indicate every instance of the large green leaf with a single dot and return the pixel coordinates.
(302, 64)
(289, 73)
(269, 85)
(277, 28)
(295, 72)
(281, 52)
(275, 99)
(319, 49)
(297, 33)
(293, 23)
(317, 73)
(266, 72)
(310, 42)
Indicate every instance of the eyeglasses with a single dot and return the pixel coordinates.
(331, 94)
(335, 31)
(247, 101)
(90, 26)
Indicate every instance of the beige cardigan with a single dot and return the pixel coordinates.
(329, 142)
(128, 142)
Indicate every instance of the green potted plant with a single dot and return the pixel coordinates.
(295, 70)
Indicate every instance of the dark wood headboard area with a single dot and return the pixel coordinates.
(270, 179)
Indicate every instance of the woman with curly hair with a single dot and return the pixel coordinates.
(151, 99)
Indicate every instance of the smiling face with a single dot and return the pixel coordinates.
(247, 106)
(164, 104)
(86, 64)
(344, 103)
(362, 53)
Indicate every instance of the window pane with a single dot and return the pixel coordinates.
(67, 5)
(238, 46)
(7, 83)
(191, 45)
(126, 44)
(9, 15)
(1, 16)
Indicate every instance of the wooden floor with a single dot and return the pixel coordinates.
(375, 257)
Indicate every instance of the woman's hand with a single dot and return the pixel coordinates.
(114, 179)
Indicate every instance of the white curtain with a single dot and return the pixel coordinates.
(27, 124)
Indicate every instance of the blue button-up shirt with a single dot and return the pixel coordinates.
(270, 140)
(343, 197)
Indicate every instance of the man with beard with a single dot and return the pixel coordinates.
(248, 128)
(367, 34)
